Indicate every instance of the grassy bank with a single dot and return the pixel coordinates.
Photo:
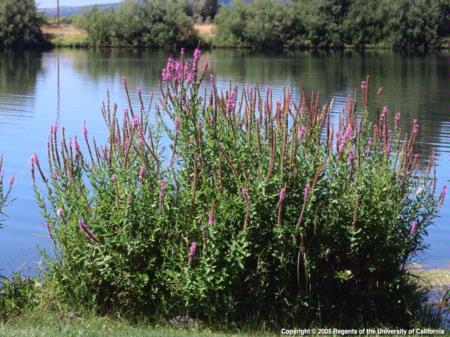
(51, 325)
(65, 35)
(68, 35)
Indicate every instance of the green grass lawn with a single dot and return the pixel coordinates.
(35, 325)
(39, 325)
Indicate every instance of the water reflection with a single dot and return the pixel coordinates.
(18, 74)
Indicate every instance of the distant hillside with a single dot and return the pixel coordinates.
(74, 10)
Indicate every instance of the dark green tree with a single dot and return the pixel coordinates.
(20, 25)
(365, 22)
(204, 9)
(149, 23)
(414, 24)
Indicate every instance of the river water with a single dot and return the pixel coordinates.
(68, 86)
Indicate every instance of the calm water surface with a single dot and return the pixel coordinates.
(68, 86)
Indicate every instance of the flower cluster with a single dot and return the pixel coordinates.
(181, 70)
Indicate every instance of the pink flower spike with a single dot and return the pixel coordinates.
(124, 81)
(245, 193)
(306, 191)
(136, 122)
(415, 127)
(177, 123)
(397, 120)
(192, 252)
(85, 130)
(443, 194)
(211, 218)
(414, 227)
(301, 133)
(60, 212)
(114, 177)
(54, 129)
(12, 180)
(197, 54)
(165, 75)
(363, 85)
(351, 157)
(162, 185)
(388, 148)
(230, 104)
(142, 171)
(282, 196)
(139, 90)
(200, 125)
(32, 161)
(384, 113)
(87, 231)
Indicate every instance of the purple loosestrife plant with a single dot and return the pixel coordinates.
(324, 235)
(4, 192)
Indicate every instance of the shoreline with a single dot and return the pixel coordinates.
(68, 36)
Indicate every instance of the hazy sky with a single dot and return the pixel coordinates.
(52, 3)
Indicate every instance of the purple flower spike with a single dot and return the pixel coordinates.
(192, 252)
(87, 231)
(245, 193)
(114, 177)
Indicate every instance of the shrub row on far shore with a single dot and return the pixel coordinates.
(232, 207)
(271, 24)
(261, 24)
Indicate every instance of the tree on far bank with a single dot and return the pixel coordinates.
(20, 24)
(201, 10)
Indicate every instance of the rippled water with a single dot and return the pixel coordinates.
(68, 86)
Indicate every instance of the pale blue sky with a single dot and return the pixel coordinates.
(52, 3)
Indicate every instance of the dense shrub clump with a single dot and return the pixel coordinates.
(20, 25)
(404, 24)
(152, 23)
(232, 207)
